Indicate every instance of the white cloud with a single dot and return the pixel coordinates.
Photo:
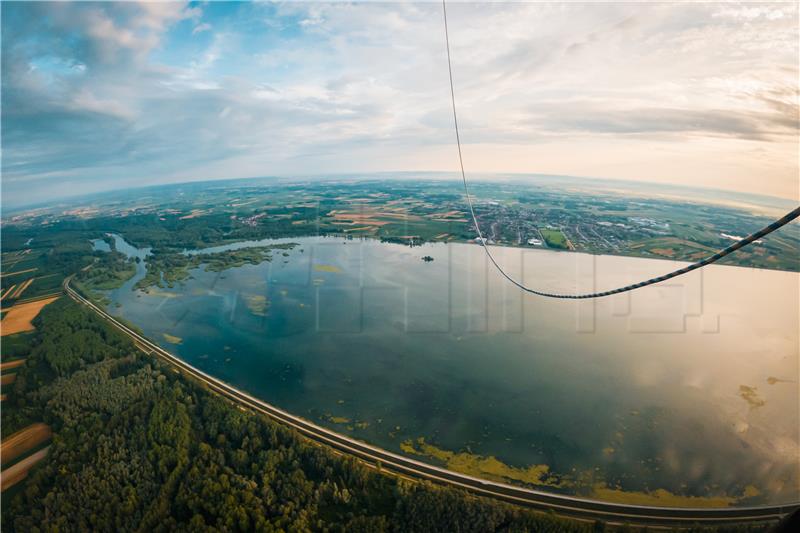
(200, 28)
(85, 100)
(690, 93)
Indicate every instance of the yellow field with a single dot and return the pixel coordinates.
(370, 216)
(22, 288)
(13, 475)
(8, 291)
(666, 252)
(18, 318)
(23, 440)
(12, 364)
(17, 272)
(194, 214)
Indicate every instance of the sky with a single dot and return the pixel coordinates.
(104, 96)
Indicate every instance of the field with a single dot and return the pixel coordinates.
(19, 317)
(16, 473)
(28, 275)
(407, 212)
(18, 272)
(22, 441)
(12, 364)
(554, 238)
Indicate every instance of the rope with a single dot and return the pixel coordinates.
(694, 266)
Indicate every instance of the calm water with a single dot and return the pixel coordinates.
(691, 387)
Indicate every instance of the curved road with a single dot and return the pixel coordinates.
(560, 503)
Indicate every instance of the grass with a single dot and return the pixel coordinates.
(554, 238)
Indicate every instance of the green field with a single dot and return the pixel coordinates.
(170, 220)
(554, 238)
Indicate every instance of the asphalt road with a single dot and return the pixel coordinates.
(561, 504)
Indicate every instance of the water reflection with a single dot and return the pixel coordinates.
(687, 386)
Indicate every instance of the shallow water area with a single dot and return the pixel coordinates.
(682, 393)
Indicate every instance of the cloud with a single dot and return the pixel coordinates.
(200, 28)
(115, 93)
(582, 117)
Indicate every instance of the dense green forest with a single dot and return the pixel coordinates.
(109, 270)
(138, 447)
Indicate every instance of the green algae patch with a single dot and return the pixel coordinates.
(480, 466)
(773, 380)
(493, 469)
(328, 268)
(172, 339)
(659, 498)
(751, 492)
(750, 395)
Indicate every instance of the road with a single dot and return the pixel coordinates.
(561, 504)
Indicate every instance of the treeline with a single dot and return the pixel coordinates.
(108, 271)
(138, 447)
(167, 268)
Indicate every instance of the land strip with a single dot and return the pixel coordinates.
(11, 364)
(23, 440)
(19, 471)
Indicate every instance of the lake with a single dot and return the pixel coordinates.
(684, 393)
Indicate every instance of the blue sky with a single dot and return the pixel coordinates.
(99, 96)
